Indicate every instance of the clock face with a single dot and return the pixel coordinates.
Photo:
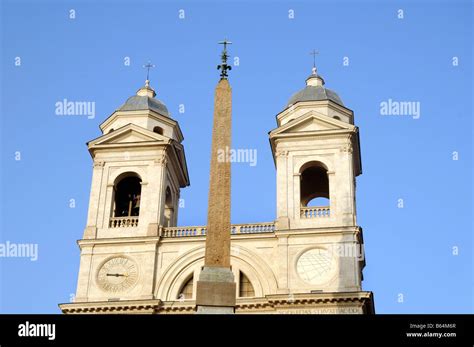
(117, 274)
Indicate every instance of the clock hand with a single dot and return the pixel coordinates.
(116, 275)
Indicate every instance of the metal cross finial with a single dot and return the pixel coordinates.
(314, 53)
(224, 66)
(148, 66)
(225, 43)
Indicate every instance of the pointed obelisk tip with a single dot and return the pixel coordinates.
(223, 84)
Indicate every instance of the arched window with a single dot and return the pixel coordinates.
(245, 286)
(337, 117)
(186, 291)
(169, 208)
(127, 196)
(111, 130)
(314, 185)
(158, 130)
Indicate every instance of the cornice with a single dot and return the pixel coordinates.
(270, 303)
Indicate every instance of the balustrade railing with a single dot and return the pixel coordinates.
(235, 229)
(123, 222)
(315, 212)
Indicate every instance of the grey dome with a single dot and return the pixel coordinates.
(315, 93)
(137, 102)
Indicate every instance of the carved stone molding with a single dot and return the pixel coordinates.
(98, 164)
(162, 161)
(346, 148)
(281, 154)
(332, 303)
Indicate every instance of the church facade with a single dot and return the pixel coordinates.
(310, 259)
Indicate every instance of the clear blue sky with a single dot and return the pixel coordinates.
(409, 250)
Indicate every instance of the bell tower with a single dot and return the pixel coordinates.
(317, 157)
(139, 167)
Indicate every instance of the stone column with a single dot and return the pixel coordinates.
(85, 276)
(92, 215)
(216, 289)
(283, 221)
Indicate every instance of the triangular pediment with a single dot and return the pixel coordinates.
(127, 134)
(312, 122)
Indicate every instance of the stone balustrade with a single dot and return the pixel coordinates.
(183, 231)
(236, 229)
(315, 212)
(123, 222)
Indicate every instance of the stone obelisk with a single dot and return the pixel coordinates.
(216, 289)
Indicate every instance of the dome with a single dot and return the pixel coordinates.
(138, 102)
(315, 91)
(145, 100)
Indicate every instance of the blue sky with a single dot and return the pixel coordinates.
(409, 250)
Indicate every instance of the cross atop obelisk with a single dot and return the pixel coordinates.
(224, 66)
(216, 289)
